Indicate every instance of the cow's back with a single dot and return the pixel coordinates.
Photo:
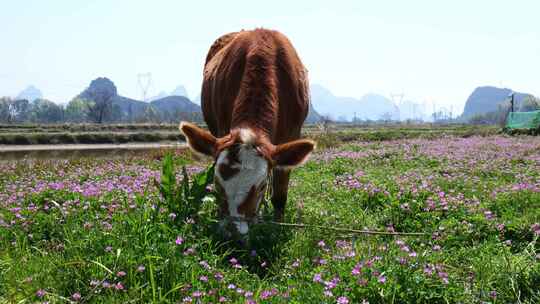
(255, 78)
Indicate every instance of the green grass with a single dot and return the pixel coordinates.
(68, 227)
(124, 133)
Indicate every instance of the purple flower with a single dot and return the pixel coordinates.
(179, 240)
(317, 278)
(342, 300)
(357, 270)
(197, 294)
(428, 270)
(121, 274)
(187, 300)
(265, 294)
(141, 268)
(76, 296)
(381, 279)
(218, 276)
(535, 228)
(203, 278)
(189, 251)
(205, 265)
(40, 293)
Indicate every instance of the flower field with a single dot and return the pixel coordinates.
(129, 231)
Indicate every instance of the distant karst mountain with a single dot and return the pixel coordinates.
(168, 108)
(487, 98)
(313, 116)
(370, 106)
(30, 93)
(178, 91)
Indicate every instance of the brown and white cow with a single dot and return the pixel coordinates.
(254, 100)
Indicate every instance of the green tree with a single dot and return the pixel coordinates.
(21, 110)
(45, 111)
(530, 103)
(5, 112)
(77, 111)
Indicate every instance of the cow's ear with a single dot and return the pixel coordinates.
(199, 140)
(293, 154)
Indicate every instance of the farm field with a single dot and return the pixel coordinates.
(132, 231)
(32, 134)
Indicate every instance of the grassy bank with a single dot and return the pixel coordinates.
(92, 133)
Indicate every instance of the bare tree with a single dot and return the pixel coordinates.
(100, 104)
(324, 124)
(386, 117)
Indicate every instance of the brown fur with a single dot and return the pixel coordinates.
(249, 207)
(255, 79)
(226, 170)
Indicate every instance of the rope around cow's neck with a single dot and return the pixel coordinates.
(268, 195)
(260, 219)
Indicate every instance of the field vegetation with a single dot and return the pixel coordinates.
(123, 133)
(142, 230)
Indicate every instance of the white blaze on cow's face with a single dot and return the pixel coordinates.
(241, 173)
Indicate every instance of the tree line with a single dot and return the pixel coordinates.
(99, 109)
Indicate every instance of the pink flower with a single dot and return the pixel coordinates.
(179, 240)
(40, 293)
(342, 300)
(76, 296)
(535, 228)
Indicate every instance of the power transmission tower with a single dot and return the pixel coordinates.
(397, 105)
(144, 80)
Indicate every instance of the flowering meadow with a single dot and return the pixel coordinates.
(107, 231)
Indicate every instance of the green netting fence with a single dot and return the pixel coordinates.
(523, 120)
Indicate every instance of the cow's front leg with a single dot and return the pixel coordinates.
(280, 186)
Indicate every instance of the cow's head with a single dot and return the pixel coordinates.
(243, 161)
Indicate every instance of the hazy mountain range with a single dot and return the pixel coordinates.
(168, 108)
(323, 103)
(178, 91)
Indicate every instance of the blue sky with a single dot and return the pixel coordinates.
(432, 51)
